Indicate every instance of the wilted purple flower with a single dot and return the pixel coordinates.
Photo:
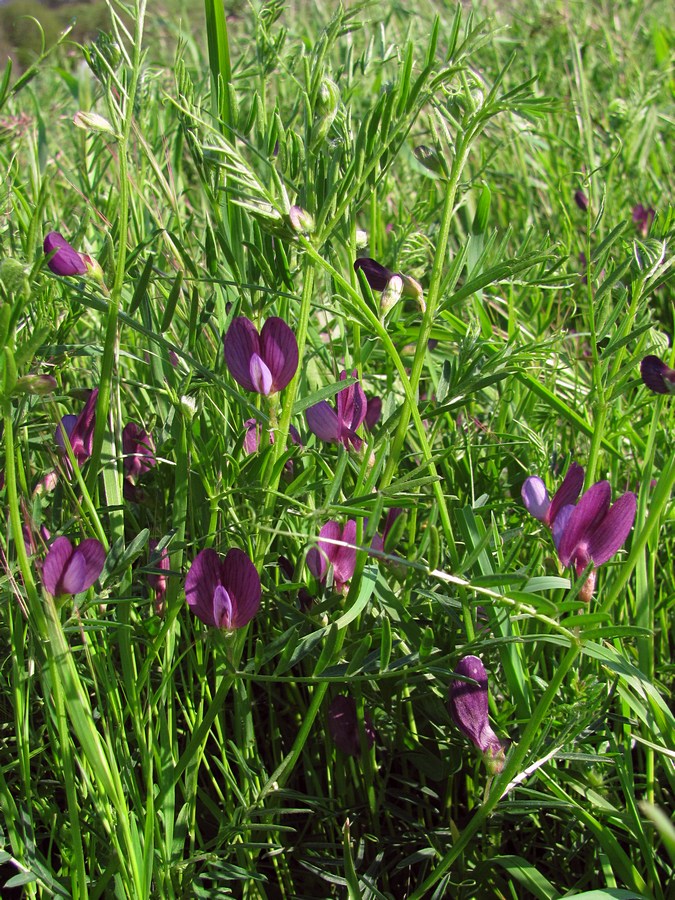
(252, 436)
(336, 549)
(594, 532)
(64, 260)
(158, 580)
(343, 726)
(340, 426)
(657, 376)
(468, 705)
(581, 200)
(643, 217)
(263, 362)
(72, 570)
(139, 451)
(79, 430)
(536, 499)
(224, 593)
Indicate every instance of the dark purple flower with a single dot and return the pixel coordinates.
(139, 451)
(536, 499)
(263, 362)
(343, 726)
(643, 217)
(581, 200)
(79, 430)
(380, 278)
(72, 570)
(336, 549)
(63, 259)
(468, 705)
(376, 274)
(224, 593)
(593, 531)
(657, 376)
(252, 436)
(340, 426)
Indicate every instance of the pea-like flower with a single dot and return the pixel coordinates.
(336, 551)
(79, 431)
(63, 259)
(393, 285)
(343, 725)
(223, 593)
(657, 376)
(265, 362)
(71, 570)
(339, 425)
(537, 501)
(468, 705)
(594, 531)
(139, 451)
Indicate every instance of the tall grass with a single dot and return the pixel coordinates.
(143, 754)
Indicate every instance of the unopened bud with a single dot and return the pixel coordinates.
(301, 220)
(92, 122)
(188, 406)
(392, 293)
(430, 159)
(35, 384)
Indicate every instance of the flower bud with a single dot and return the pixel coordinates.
(301, 220)
(35, 384)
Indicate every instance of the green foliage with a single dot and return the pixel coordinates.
(144, 755)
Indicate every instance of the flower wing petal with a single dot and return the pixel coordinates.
(567, 493)
(280, 351)
(344, 557)
(83, 567)
(54, 565)
(242, 582)
(610, 535)
(239, 345)
(201, 583)
(323, 422)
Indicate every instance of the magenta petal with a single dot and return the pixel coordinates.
(535, 497)
(201, 583)
(567, 493)
(63, 258)
(82, 435)
(83, 567)
(242, 581)
(344, 558)
(329, 535)
(239, 345)
(351, 405)
(54, 565)
(611, 534)
(261, 376)
(323, 422)
(280, 351)
(585, 518)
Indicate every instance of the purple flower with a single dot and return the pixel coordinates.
(658, 377)
(376, 274)
(79, 430)
(468, 705)
(343, 726)
(643, 218)
(581, 200)
(72, 570)
(252, 437)
(336, 549)
(139, 451)
(380, 278)
(340, 426)
(536, 499)
(64, 260)
(378, 543)
(263, 362)
(224, 593)
(593, 531)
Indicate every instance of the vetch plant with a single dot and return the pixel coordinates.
(71, 570)
(265, 362)
(657, 376)
(343, 725)
(468, 705)
(223, 593)
(339, 425)
(336, 552)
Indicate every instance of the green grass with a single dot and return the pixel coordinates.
(145, 755)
